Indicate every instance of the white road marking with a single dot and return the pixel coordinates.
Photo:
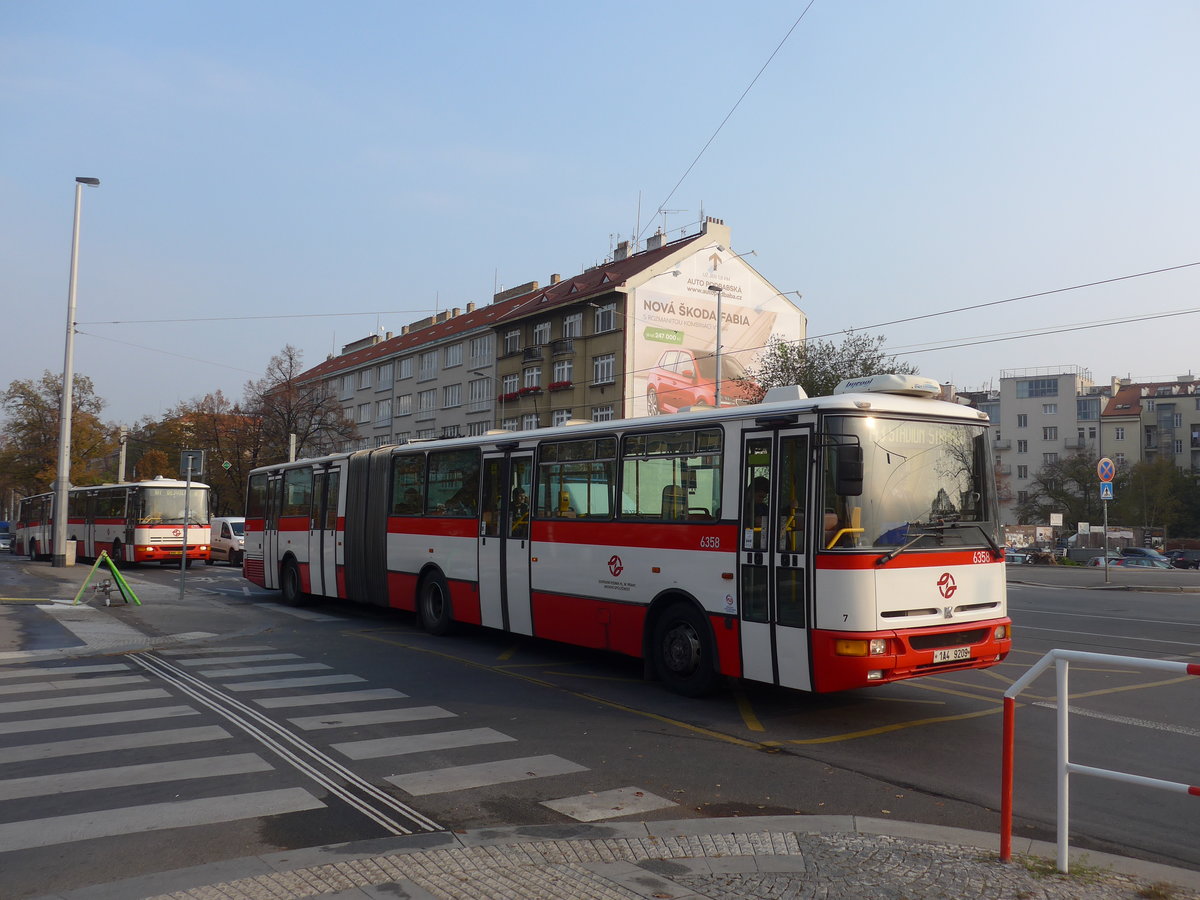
(71, 685)
(304, 614)
(1123, 720)
(152, 817)
(458, 778)
(277, 683)
(143, 773)
(113, 743)
(108, 718)
(374, 717)
(230, 660)
(625, 801)
(190, 651)
(335, 697)
(43, 671)
(266, 670)
(14, 706)
(420, 743)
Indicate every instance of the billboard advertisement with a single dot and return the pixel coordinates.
(673, 331)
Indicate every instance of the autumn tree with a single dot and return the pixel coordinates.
(1069, 486)
(818, 365)
(151, 464)
(285, 408)
(232, 440)
(29, 456)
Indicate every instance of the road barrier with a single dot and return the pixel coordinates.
(1062, 660)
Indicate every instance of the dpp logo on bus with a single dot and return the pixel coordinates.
(615, 565)
(946, 585)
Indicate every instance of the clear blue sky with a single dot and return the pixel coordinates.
(301, 158)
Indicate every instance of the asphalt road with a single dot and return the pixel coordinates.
(481, 729)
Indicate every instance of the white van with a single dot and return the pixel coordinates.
(228, 540)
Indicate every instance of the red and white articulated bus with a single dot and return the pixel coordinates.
(135, 522)
(820, 544)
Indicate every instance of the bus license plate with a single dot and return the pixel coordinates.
(952, 654)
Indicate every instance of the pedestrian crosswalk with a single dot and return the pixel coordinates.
(210, 735)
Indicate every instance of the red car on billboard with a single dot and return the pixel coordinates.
(684, 378)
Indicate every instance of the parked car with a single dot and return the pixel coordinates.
(6, 540)
(1016, 558)
(684, 378)
(1145, 562)
(1184, 559)
(1143, 552)
(1114, 559)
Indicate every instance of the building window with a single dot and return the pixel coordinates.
(383, 411)
(511, 424)
(606, 318)
(533, 377)
(1119, 433)
(1050, 433)
(404, 405)
(560, 416)
(541, 334)
(477, 395)
(1022, 496)
(602, 413)
(1022, 420)
(453, 355)
(1049, 458)
(426, 404)
(481, 351)
(1091, 432)
(1022, 446)
(1022, 471)
(427, 366)
(1149, 404)
(477, 428)
(426, 434)
(1178, 446)
(512, 341)
(1119, 459)
(450, 431)
(603, 368)
(511, 383)
(406, 367)
(451, 396)
(1087, 408)
(347, 386)
(529, 421)
(364, 413)
(572, 326)
(1177, 420)
(1049, 409)
(563, 370)
(385, 376)
(1037, 387)
(364, 378)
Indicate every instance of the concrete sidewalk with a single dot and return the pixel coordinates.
(829, 857)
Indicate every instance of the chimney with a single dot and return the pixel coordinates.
(455, 312)
(622, 251)
(555, 278)
(403, 330)
(656, 240)
(471, 306)
(388, 336)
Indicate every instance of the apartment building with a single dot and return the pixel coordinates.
(1151, 421)
(598, 345)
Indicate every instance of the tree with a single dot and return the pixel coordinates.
(818, 365)
(233, 443)
(30, 449)
(1067, 486)
(285, 408)
(1152, 495)
(151, 464)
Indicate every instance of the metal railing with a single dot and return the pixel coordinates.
(1061, 660)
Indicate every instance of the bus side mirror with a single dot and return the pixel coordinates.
(849, 470)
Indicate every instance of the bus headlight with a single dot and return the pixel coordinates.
(1003, 632)
(873, 647)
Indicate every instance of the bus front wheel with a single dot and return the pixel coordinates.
(683, 651)
(289, 584)
(433, 604)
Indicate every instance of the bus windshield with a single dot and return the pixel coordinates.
(164, 506)
(925, 485)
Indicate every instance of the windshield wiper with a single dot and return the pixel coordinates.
(933, 528)
(892, 554)
(987, 537)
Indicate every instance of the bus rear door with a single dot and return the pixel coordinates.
(270, 538)
(323, 534)
(774, 556)
(504, 542)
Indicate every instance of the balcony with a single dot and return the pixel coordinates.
(1004, 444)
(563, 347)
(532, 354)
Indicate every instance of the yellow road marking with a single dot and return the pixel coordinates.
(941, 690)
(1130, 687)
(508, 654)
(747, 712)
(898, 726)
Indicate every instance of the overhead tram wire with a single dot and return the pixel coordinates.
(728, 115)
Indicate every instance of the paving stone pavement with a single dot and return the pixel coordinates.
(773, 858)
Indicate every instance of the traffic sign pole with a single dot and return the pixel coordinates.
(1106, 469)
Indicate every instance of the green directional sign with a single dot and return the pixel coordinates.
(662, 335)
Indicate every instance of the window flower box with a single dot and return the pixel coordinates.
(509, 397)
(530, 391)
(560, 385)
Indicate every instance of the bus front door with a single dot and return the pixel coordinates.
(270, 537)
(323, 537)
(504, 542)
(776, 608)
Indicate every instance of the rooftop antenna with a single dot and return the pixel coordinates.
(637, 227)
(664, 212)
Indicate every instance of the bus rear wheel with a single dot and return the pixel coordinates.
(289, 584)
(683, 651)
(433, 605)
(115, 553)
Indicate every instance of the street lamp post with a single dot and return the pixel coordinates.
(499, 396)
(717, 351)
(62, 485)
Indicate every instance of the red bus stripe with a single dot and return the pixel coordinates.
(910, 559)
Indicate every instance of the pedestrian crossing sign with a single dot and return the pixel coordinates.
(1106, 492)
